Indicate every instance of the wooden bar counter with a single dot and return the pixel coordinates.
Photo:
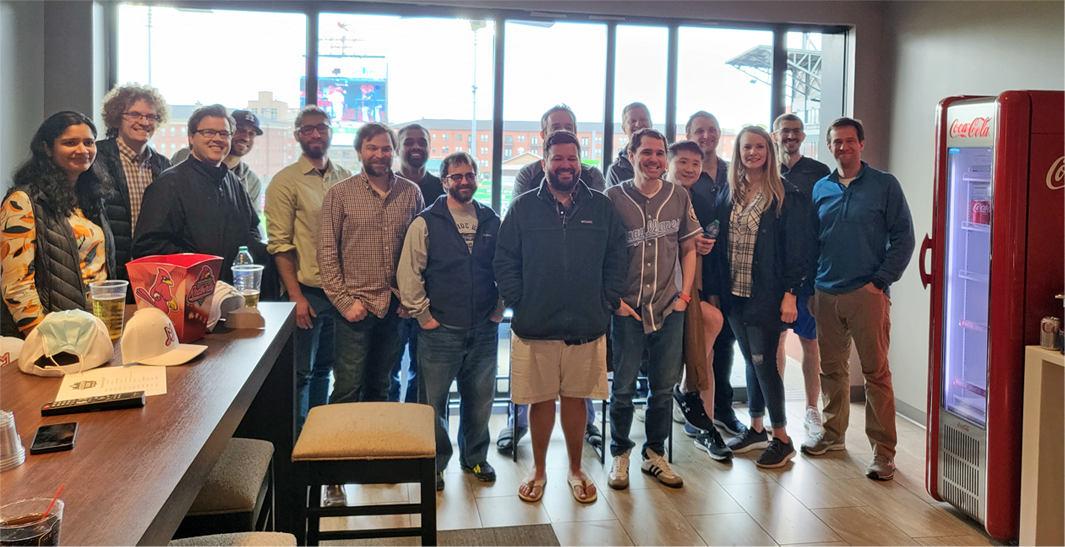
(134, 473)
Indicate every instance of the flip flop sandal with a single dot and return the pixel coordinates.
(584, 484)
(533, 484)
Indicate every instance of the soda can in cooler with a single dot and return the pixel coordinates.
(980, 212)
(1048, 333)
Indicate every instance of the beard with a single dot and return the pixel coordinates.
(314, 152)
(556, 182)
(377, 170)
(457, 193)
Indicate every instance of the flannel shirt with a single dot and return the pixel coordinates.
(743, 234)
(138, 177)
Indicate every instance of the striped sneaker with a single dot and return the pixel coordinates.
(659, 468)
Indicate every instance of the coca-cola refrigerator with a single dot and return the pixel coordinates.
(996, 265)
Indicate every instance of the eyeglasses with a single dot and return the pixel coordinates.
(212, 133)
(137, 116)
(457, 177)
(309, 130)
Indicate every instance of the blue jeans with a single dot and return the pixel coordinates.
(519, 414)
(408, 336)
(665, 348)
(470, 357)
(316, 355)
(764, 384)
(365, 352)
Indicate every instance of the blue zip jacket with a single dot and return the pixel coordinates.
(865, 232)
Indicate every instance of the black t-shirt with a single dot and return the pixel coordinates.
(804, 174)
(431, 187)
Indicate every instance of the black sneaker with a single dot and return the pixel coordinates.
(714, 445)
(730, 425)
(483, 471)
(691, 405)
(440, 481)
(777, 455)
(750, 440)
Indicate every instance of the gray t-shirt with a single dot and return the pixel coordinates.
(654, 226)
(466, 223)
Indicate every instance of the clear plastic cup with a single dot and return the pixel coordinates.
(21, 524)
(109, 304)
(247, 279)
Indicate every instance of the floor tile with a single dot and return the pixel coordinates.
(510, 511)
(907, 511)
(730, 529)
(650, 518)
(863, 526)
(815, 489)
(562, 507)
(605, 532)
(780, 513)
(701, 495)
(954, 540)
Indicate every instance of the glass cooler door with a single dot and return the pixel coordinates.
(969, 214)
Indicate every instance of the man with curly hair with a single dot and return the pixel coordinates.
(131, 114)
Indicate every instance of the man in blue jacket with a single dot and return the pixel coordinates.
(866, 239)
(561, 265)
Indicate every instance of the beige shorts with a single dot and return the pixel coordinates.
(543, 370)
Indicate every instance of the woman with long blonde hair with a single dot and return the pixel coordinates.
(762, 262)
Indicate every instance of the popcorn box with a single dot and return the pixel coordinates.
(181, 285)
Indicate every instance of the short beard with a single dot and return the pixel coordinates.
(557, 184)
(370, 170)
(456, 193)
(314, 154)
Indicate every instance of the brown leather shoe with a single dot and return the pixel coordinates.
(334, 496)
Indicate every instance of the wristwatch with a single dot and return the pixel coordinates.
(687, 299)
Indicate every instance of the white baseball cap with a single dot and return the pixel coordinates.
(225, 299)
(150, 339)
(72, 332)
(10, 348)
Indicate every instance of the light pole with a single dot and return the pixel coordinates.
(475, 25)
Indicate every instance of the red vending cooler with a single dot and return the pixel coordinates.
(997, 262)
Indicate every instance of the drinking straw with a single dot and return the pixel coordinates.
(57, 492)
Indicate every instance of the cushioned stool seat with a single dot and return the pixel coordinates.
(242, 539)
(393, 443)
(233, 495)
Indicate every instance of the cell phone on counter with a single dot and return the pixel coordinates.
(54, 438)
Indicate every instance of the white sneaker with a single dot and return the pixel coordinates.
(619, 472)
(812, 421)
(659, 468)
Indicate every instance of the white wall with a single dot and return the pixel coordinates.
(21, 82)
(942, 49)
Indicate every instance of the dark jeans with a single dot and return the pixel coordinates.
(519, 414)
(724, 353)
(408, 335)
(468, 356)
(665, 348)
(764, 384)
(316, 355)
(365, 352)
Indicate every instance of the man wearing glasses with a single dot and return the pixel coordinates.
(199, 206)
(131, 113)
(243, 141)
(446, 282)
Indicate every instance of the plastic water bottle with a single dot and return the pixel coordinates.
(243, 257)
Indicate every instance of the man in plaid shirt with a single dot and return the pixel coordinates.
(360, 235)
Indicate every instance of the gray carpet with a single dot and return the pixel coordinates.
(535, 534)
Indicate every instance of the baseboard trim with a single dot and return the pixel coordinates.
(911, 413)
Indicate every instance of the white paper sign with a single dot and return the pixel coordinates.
(110, 380)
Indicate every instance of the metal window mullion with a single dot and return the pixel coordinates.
(310, 88)
(779, 71)
(497, 115)
(608, 102)
(672, 56)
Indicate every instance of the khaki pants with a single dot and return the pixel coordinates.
(865, 317)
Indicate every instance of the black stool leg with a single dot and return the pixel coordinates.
(605, 407)
(315, 502)
(428, 501)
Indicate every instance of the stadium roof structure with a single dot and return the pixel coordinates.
(805, 66)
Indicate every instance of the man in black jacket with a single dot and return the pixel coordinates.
(199, 206)
(560, 265)
(131, 113)
(634, 117)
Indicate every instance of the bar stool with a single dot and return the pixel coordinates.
(242, 539)
(366, 443)
(235, 493)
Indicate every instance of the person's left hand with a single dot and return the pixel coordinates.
(703, 244)
(497, 317)
(680, 305)
(402, 311)
(788, 311)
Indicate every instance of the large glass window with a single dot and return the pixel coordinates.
(437, 72)
(726, 72)
(199, 57)
(802, 91)
(640, 75)
(538, 78)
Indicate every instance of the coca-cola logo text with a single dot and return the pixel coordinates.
(979, 127)
(1056, 174)
(981, 207)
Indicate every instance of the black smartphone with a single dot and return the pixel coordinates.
(54, 438)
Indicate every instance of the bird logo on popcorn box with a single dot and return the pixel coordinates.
(181, 285)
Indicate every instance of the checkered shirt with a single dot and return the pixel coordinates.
(138, 177)
(360, 236)
(743, 234)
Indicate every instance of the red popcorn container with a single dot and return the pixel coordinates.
(180, 285)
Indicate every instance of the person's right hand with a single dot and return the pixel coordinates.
(624, 309)
(431, 324)
(356, 313)
(304, 311)
(703, 244)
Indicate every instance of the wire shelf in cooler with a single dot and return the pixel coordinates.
(972, 325)
(976, 227)
(973, 276)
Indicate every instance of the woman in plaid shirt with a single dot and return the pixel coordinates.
(761, 264)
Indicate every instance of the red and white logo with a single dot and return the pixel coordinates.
(979, 127)
(169, 329)
(1056, 174)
